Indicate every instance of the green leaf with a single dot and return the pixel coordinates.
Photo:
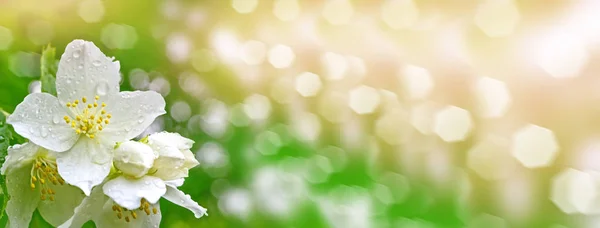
(5, 137)
(49, 66)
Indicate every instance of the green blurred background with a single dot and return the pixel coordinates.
(340, 113)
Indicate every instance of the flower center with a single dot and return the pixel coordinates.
(89, 120)
(145, 207)
(44, 172)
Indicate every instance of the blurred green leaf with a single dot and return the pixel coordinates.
(5, 136)
(48, 70)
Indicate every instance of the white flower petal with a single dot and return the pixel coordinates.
(108, 218)
(171, 139)
(134, 158)
(180, 198)
(39, 118)
(132, 113)
(175, 158)
(175, 183)
(87, 210)
(128, 192)
(85, 165)
(23, 200)
(19, 155)
(190, 159)
(84, 71)
(56, 212)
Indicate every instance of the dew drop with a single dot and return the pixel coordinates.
(44, 131)
(31, 130)
(56, 119)
(128, 128)
(80, 67)
(68, 81)
(68, 59)
(96, 63)
(102, 88)
(140, 120)
(76, 53)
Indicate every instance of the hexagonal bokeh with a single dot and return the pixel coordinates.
(452, 124)
(491, 158)
(584, 193)
(497, 18)
(308, 84)
(493, 97)
(417, 81)
(399, 14)
(364, 99)
(534, 146)
(562, 188)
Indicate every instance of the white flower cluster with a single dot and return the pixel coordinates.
(81, 163)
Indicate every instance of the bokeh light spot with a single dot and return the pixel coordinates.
(493, 96)
(491, 158)
(281, 56)
(91, 11)
(180, 111)
(179, 47)
(40, 32)
(399, 14)
(6, 38)
(417, 81)
(244, 6)
(119, 36)
(286, 10)
(534, 146)
(257, 107)
(338, 12)
(364, 99)
(497, 18)
(308, 84)
(453, 124)
(253, 52)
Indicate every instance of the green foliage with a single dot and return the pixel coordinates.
(5, 136)
(49, 65)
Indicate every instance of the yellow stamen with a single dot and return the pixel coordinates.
(97, 97)
(154, 210)
(89, 106)
(32, 186)
(84, 99)
(68, 104)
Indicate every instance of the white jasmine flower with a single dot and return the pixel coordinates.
(33, 182)
(131, 197)
(88, 117)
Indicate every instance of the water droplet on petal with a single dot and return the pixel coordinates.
(96, 63)
(80, 67)
(141, 120)
(102, 88)
(56, 119)
(76, 53)
(44, 131)
(31, 130)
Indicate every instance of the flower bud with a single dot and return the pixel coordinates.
(134, 158)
